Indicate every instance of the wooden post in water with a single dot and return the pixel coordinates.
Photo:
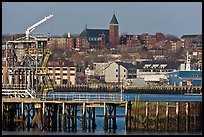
(49, 116)
(69, 119)
(22, 113)
(114, 118)
(93, 120)
(72, 119)
(63, 117)
(147, 114)
(89, 118)
(135, 113)
(167, 116)
(138, 107)
(105, 117)
(130, 114)
(75, 114)
(187, 116)
(126, 116)
(84, 116)
(109, 118)
(194, 117)
(28, 116)
(43, 115)
(54, 118)
(157, 116)
(177, 115)
(60, 116)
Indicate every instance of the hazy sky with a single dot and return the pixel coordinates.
(177, 18)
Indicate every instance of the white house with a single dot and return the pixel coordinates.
(120, 71)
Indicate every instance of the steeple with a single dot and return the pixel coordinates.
(114, 20)
(85, 25)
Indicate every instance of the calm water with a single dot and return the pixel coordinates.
(120, 120)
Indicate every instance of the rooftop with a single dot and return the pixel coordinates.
(94, 32)
(114, 20)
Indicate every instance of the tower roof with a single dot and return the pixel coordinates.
(114, 20)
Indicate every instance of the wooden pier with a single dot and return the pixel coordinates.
(65, 115)
(58, 115)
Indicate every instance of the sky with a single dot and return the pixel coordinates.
(175, 18)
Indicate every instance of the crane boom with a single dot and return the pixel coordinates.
(32, 28)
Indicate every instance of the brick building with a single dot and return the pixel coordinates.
(63, 72)
(97, 38)
(114, 31)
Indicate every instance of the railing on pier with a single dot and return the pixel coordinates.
(17, 91)
(85, 97)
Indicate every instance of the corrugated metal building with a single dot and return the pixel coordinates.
(185, 78)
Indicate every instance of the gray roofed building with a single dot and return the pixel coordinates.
(160, 64)
(120, 71)
(190, 36)
(94, 32)
(126, 65)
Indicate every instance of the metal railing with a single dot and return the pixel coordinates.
(85, 97)
(17, 91)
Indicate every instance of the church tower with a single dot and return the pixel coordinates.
(114, 31)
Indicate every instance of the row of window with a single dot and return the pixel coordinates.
(71, 69)
(192, 75)
(95, 39)
(155, 70)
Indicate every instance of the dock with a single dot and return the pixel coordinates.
(66, 115)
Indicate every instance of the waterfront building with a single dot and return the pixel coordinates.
(63, 72)
(99, 68)
(155, 72)
(120, 71)
(185, 78)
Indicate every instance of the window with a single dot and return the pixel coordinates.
(72, 69)
(196, 75)
(116, 70)
(124, 70)
(192, 75)
(124, 76)
(116, 76)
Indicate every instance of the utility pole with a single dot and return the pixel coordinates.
(121, 91)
